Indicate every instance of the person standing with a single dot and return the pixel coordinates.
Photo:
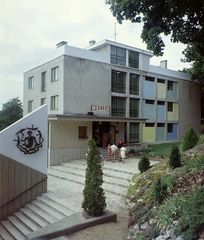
(122, 153)
(119, 147)
(113, 151)
(105, 139)
(109, 152)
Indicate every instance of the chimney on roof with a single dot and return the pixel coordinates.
(62, 43)
(92, 42)
(163, 64)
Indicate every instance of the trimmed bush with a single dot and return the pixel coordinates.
(144, 164)
(94, 197)
(190, 139)
(175, 157)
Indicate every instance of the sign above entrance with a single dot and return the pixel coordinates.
(100, 108)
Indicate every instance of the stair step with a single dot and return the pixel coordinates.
(4, 234)
(13, 231)
(62, 202)
(56, 206)
(46, 216)
(27, 221)
(19, 225)
(35, 218)
(49, 210)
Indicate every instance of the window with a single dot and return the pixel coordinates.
(134, 84)
(134, 133)
(118, 107)
(54, 102)
(170, 85)
(160, 124)
(170, 107)
(118, 56)
(170, 128)
(43, 81)
(118, 82)
(133, 59)
(82, 132)
(149, 124)
(30, 106)
(134, 107)
(160, 103)
(151, 79)
(54, 74)
(30, 82)
(159, 80)
(149, 101)
(42, 101)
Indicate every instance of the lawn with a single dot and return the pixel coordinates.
(163, 149)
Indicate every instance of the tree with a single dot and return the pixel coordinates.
(175, 157)
(94, 197)
(182, 19)
(190, 139)
(11, 112)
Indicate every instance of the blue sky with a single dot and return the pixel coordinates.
(30, 29)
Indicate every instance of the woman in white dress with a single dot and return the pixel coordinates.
(122, 153)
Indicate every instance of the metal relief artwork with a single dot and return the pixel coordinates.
(29, 140)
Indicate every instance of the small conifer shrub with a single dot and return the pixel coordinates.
(175, 157)
(159, 191)
(94, 197)
(144, 164)
(190, 139)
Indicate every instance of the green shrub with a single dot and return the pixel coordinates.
(159, 191)
(94, 196)
(132, 151)
(175, 158)
(196, 163)
(190, 139)
(188, 210)
(144, 164)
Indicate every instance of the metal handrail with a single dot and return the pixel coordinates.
(23, 193)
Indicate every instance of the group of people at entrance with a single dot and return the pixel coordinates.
(113, 149)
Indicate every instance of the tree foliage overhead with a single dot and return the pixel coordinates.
(11, 112)
(182, 19)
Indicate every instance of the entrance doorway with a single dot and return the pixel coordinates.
(99, 128)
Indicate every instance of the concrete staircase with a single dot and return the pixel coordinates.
(43, 211)
(115, 180)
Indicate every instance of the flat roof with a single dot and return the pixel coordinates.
(93, 118)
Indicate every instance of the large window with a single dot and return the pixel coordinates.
(30, 106)
(134, 133)
(118, 82)
(118, 56)
(54, 102)
(134, 84)
(30, 82)
(118, 108)
(134, 107)
(170, 128)
(133, 59)
(170, 107)
(43, 81)
(170, 86)
(54, 74)
(82, 132)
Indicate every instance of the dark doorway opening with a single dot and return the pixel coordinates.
(99, 128)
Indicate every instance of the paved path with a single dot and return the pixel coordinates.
(67, 181)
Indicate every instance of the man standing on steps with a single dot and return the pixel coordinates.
(113, 151)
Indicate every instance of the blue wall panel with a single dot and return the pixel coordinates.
(148, 88)
(161, 112)
(173, 135)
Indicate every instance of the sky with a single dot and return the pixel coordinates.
(29, 29)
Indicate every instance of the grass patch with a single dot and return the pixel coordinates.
(163, 149)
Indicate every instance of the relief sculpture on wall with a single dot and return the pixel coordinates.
(29, 140)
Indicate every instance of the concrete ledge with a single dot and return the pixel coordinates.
(74, 223)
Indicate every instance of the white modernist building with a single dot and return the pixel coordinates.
(109, 87)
